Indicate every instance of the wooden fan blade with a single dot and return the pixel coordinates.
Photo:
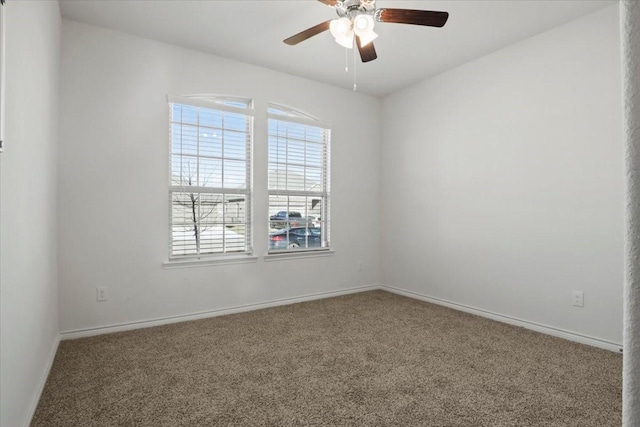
(329, 2)
(368, 52)
(415, 17)
(308, 33)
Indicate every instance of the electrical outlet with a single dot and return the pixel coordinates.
(101, 294)
(361, 266)
(577, 299)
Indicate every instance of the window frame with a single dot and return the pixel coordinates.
(281, 113)
(223, 104)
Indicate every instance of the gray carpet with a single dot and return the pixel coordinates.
(368, 359)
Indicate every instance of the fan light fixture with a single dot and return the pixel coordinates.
(343, 29)
(363, 27)
(342, 32)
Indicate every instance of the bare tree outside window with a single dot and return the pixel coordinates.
(201, 213)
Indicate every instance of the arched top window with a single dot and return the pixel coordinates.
(298, 180)
(288, 113)
(210, 175)
(221, 102)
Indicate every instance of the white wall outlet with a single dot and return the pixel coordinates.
(360, 266)
(101, 294)
(577, 299)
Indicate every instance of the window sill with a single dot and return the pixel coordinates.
(281, 256)
(208, 262)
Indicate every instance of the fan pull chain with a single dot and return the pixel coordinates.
(355, 85)
(346, 60)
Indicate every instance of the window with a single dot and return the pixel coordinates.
(210, 177)
(298, 181)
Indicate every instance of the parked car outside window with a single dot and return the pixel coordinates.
(286, 219)
(284, 215)
(296, 237)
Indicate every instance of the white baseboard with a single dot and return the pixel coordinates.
(88, 332)
(549, 330)
(33, 404)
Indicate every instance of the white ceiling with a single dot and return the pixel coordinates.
(252, 32)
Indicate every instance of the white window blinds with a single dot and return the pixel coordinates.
(298, 181)
(210, 176)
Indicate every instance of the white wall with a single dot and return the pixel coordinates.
(113, 182)
(503, 181)
(28, 272)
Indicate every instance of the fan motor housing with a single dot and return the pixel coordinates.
(351, 8)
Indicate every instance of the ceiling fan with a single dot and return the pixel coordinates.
(356, 21)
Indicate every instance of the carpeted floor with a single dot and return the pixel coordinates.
(368, 359)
